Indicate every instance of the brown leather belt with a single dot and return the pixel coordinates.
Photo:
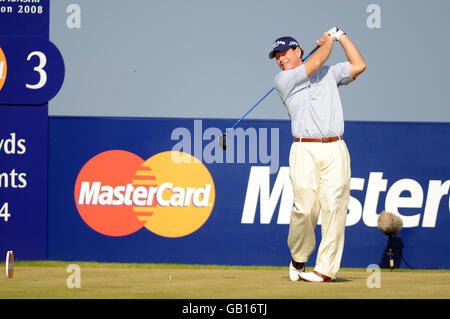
(319, 140)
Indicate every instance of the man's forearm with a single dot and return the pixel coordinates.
(357, 63)
(320, 56)
(323, 52)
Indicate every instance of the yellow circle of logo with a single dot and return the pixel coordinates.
(183, 196)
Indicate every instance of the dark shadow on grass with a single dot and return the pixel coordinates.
(338, 279)
(343, 280)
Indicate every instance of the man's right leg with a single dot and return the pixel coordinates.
(301, 238)
(304, 174)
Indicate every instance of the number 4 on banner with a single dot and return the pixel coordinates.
(4, 212)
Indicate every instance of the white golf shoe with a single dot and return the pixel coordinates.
(314, 276)
(294, 273)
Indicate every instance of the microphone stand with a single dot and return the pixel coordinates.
(390, 253)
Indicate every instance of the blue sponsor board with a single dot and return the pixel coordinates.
(23, 181)
(31, 72)
(29, 18)
(35, 71)
(399, 167)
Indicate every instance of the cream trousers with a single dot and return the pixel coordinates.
(320, 176)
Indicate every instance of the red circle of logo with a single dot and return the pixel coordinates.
(102, 183)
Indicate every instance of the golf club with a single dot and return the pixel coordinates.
(222, 139)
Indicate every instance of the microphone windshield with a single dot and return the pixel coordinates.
(389, 223)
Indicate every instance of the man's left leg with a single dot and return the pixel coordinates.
(334, 198)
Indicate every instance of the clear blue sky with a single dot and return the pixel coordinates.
(208, 59)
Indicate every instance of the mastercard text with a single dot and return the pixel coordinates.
(163, 195)
(395, 201)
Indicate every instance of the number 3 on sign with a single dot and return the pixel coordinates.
(4, 212)
(39, 69)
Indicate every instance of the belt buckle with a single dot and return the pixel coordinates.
(321, 140)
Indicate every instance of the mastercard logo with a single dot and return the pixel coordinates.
(171, 194)
(3, 68)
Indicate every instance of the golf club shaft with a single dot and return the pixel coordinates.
(253, 107)
(270, 91)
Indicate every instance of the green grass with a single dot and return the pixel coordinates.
(47, 279)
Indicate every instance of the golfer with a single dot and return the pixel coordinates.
(319, 161)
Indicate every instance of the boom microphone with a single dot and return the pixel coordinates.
(390, 224)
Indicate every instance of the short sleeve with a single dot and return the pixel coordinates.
(341, 73)
(291, 81)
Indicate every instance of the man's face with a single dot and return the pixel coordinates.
(289, 59)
